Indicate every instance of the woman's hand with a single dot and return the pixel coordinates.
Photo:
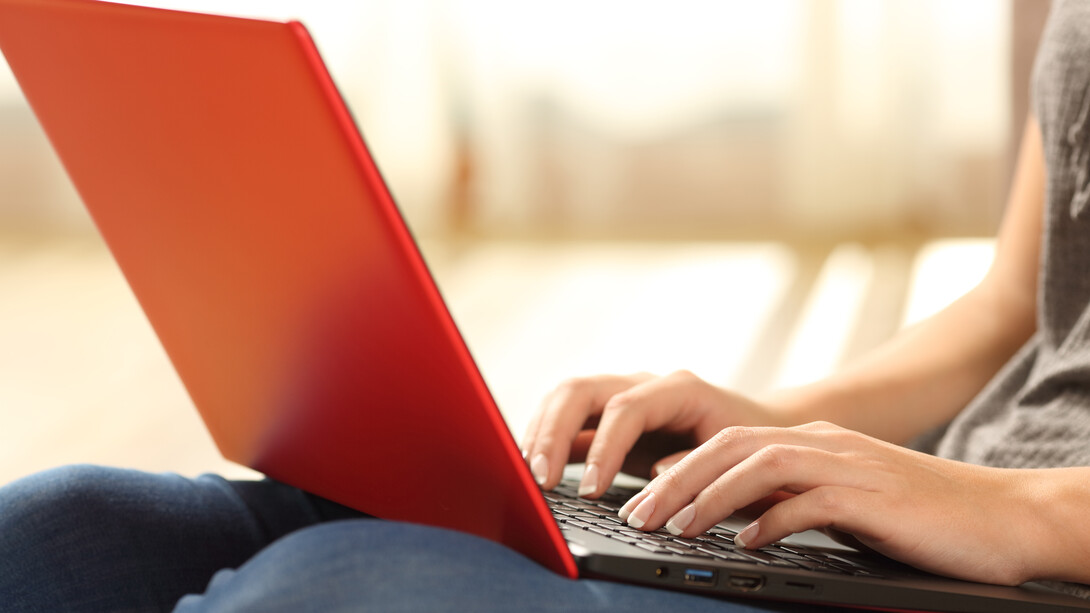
(629, 422)
(939, 515)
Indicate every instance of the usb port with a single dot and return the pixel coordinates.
(699, 576)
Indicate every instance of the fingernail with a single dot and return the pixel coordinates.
(589, 484)
(678, 523)
(642, 512)
(627, 507)
(539, 467)
(525, 452)
(747, 535)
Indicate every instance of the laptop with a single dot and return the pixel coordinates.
(229, 181)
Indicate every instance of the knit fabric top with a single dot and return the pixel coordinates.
(1035, 413)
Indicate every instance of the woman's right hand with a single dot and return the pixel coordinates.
(630, 422)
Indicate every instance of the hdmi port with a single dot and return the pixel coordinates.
(745, 583)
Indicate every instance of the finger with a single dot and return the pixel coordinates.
(776, 468)
(648, 406)
(530, 433)
(565, 388)
(547, 443)
(847, 509)
(754, 510)
(563, 413)
(535, 423)
(684, 482)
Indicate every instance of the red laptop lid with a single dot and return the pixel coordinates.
(233, 188)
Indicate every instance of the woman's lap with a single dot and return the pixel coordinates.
(96, 539)
(91, 538)
(363, 565)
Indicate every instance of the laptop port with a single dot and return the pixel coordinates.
(745, 583)
(699, 576)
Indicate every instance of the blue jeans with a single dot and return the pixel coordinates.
(86, 538)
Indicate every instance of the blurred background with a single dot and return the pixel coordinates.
(755, 191)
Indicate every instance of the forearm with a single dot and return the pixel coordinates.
(923, 376)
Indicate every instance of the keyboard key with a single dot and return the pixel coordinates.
(831, 569)
(759, 556)
(724, 541)
(678, 549)
(798, 560)
(599, 516)
(715, 553)
(651, 548)
(846, 561)
(680, 544)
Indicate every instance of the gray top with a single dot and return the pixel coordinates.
(1035, 413)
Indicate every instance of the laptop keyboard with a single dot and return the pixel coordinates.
(600, 516)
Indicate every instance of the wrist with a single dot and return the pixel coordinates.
(1056, 539)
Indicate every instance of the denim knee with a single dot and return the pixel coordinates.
(65, 492)
(92, 538)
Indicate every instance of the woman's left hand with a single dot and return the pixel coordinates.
(946, 517)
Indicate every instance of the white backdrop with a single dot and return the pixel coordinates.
(867, 111)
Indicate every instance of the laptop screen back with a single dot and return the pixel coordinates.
(231, 185)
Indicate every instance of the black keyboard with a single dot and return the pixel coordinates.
(600, 516)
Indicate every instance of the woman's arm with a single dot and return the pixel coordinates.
(994, 525)
(974, 522)
(923, 376)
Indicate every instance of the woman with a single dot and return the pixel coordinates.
(993, 393)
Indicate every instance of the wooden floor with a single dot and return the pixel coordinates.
(83, 379)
